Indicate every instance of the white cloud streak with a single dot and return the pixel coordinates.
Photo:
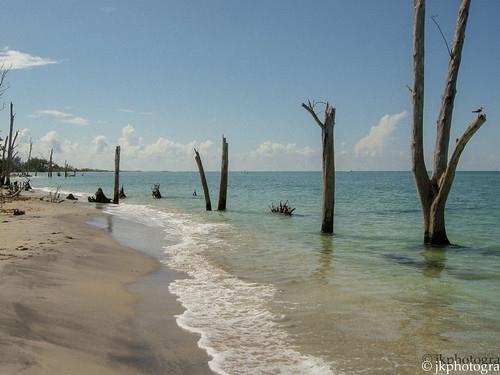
(65, 117)
(128, 110)
(12, 59)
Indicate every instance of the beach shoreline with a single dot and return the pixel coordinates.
(74, 300)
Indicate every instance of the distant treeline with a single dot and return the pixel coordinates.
(42, 165)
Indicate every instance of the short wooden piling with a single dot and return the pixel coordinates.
(116, 196)
(223, 176)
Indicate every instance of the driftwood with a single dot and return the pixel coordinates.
(156, 191)
(56, 197)
(13, 194)
(13, 211)
(282, 208)
(99, 197)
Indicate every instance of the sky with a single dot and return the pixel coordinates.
(161, 77)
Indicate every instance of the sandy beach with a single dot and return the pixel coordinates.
(75, 301)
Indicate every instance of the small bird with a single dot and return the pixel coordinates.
(479, 110)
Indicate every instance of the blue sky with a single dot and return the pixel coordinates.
(158, 77)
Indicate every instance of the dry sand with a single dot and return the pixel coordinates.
(74, 301)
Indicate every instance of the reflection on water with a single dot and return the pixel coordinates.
(325, 258)
(434, 261)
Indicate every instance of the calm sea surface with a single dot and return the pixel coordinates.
(269, 294)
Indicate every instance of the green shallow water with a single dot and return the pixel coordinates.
(370, 299)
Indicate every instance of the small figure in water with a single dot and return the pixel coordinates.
(194, 193)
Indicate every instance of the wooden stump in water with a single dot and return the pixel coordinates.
(116, 195)
(282, 208)
(156, 191)
(99, 197)
(122, 193)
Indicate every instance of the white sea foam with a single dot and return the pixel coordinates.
(237, 329)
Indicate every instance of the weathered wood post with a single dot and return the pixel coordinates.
(11, 145)
(116, 197)
(328, 163)
(203, 181)
(49, 174)
(223, 176)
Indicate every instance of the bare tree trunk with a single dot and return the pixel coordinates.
(448, 98)
(11, 144)
(65, 169)
(29, 158)
(433, 192)
(223, 176)
(327, 138)
(4, 163)
(49, 174)
(116, 197)
(203, 181)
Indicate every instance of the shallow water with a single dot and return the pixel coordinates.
(269, 294)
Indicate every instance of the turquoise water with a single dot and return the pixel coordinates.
(269, 294)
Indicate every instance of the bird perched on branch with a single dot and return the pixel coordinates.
(479, 110)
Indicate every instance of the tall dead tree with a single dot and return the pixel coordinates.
(49, 174)
(208, 205)
(223, 176)
(4, 163)
(29, 158)
(116, 195)
(328, 162)
(434, 190)
(11, 145)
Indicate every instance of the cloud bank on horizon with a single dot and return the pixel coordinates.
(166, 154)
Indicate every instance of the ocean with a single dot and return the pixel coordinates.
(269, 294)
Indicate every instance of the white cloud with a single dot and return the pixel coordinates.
(162, 153)
(374, 143)
(277, 156)
(270, 149)
(100, 144)
(65, 117)
(24, 136)
(128, 110)
(49, 141)
(12, 59)
(129, 138)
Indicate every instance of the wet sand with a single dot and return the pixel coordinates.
(75, 301)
